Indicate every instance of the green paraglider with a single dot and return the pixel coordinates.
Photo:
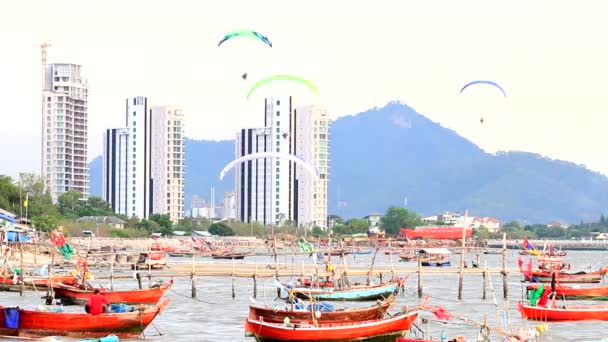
(290, 78)
(245, 34)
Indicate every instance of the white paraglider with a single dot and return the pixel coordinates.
(261, 155)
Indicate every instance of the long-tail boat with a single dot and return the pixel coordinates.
(561, 291)
(374, 330)
(274, 315)
(70, 294)
(567, 313)
(223, 255)
(564, 277)
(81, 324)
(354, 292)
(12, 283)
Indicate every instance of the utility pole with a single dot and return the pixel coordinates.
(43, 47)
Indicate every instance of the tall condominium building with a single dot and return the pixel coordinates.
(275, 190)
(312, 133)
(168, 161)
(127, 162)
(143, 166)
(65, 130)
(229, 205)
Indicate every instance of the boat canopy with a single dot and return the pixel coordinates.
(434, 251)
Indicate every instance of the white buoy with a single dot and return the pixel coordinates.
(286, 321)
(317, 314)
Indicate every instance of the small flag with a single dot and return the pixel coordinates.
(25, 203)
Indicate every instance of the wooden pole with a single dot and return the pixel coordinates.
(22, 287)
(192, 277)
(112, 257)
(50, 290)
(371, 266)
(419, 277)
(462, 257)
(138, 277)
(505, 287)
(255, 282)
(276, 267)
(390, 248)
(233, 279)
(345, 274)
(485, 283)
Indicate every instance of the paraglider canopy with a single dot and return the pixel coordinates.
(494, 84)
(290, 78)
(246, 34)
(306, 165)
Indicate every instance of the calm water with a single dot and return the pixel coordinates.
(215, 316)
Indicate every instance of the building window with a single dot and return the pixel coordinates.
(277, 202)
(133, 170)
(134, 111)
(278, 102)
(278, 130)
(278, 113)
(133, 201)
(278, 143)
(278, 163)
(134, 136)
(134, 129)
(278, 123)
(134, 123)
(277, 183)
(278, 149)
(133, 188)
(278, 170)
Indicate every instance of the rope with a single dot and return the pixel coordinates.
(195, 299)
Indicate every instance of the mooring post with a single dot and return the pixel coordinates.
(112, 257)
(485, 283)
(233, 280)
(193, 273)
(22, 287)
(255, 281)
(505, 285)
(419, 277)
(462, 257)
(138, 277)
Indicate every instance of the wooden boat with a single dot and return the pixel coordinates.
(580, 277)
(336, 252)
(566, 313)
(152, 260)
(74, 295)
(369, 251)
(375, 330)
(273, 315)
(8, 283)
(355, 292)
(81, 324)
(237, 256)
(596, 293)
(306, 282)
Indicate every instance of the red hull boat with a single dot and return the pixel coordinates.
(597, 293)
(375, 330)
(9, 283)
(439, 233)
(79, 325)
(75, 295)
(569, 313)
(580, 277)
(272, 315)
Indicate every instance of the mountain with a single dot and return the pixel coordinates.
(395, 156)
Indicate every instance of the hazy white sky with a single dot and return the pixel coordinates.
(550, 56)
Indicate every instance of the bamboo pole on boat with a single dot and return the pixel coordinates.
(138, 277)
(419, 277)
(505, 287)
(50, 290)
(485, 283)
(233, 279)
(462, 257)
(345, 273)
(391, 259)
(193, 275)
(371, 266)
(276, 267)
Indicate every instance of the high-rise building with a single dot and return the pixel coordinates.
(275, 190)
(312, 133)
(229, 206)
(65, 130)
(127, 162)
(143, 166)
(168, 161)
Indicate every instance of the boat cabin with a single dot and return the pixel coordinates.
(152, 260)
(438, 257)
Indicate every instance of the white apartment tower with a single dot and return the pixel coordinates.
(65, 130)
(168, 161)
(143, 166)
(274, 190)
(127, 162)
(312, 133)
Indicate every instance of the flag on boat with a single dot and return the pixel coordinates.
(528, 246)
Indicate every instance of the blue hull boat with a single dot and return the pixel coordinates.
(353, 293)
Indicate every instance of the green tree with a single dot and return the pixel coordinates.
(164, 222)
(9, 194)
(397, 218)
(69, 203)
(148, 225)
(221, 229)
(482, 233)
(318, 231)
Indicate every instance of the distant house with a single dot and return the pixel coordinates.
(491, 223)
(556, 224)
(430, 219)
(374, 222)
(111, 221)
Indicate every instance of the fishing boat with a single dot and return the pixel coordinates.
(275, 315)
(362, 252)
(561, 291)
(76, 324)
(13, 283)
(373, 330)
(152, 260)
(354, 292)
(70, 294)
(222, 255)
(565, 313)
(336, 252)
(438, 233)
(579, 277)
(407, 257)
(437, 257)
(306, 282)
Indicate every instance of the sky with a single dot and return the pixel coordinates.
(549, 55)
